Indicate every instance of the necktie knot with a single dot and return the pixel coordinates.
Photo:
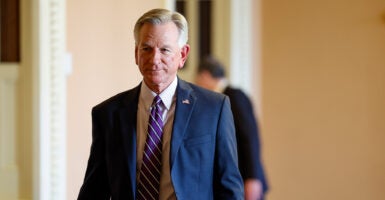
(157, 100)
(156, 110)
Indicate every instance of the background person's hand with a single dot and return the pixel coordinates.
(253, 189)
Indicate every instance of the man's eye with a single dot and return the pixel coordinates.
(164, 50)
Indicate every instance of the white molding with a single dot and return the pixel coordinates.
(49, 109)
(8, 161)
(241, 44)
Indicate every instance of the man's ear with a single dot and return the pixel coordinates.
(184, 53)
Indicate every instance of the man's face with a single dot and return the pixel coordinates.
(206, 80)
(158, 54)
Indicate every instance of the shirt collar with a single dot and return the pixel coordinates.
(167, 95)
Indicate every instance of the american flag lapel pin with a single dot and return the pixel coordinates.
(185, 101)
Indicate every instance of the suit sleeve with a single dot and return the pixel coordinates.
(249, 146)
(228, 181)
(247, 133)
(95, 185)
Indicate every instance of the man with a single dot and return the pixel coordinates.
(182, 145)
(211, 75)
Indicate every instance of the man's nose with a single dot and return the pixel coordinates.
(156, 56)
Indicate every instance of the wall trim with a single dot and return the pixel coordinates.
(241, 44)
(49, 100)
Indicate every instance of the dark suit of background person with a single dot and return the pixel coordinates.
(211, 75)
(202, 159)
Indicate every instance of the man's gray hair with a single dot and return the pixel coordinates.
(162, 16)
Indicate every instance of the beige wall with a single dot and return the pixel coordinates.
(323, 72)
(101, 42)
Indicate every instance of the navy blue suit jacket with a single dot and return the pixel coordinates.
(247, 133)
(203, 155)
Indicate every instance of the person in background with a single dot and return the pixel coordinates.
(166, 138)
(211, 75)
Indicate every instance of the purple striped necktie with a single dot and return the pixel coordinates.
(149, 178)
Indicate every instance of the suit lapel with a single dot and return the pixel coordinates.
(127, 116)
(185, 102)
